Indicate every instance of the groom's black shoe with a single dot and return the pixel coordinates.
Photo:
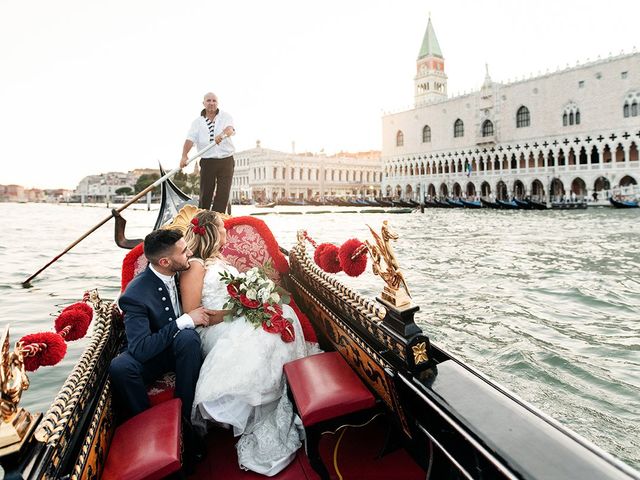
(195, 448)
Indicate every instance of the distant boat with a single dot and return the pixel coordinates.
(537, 205)
(569, 206)
(523, 204)
(488, 204)
(471, 204)
(266, 205)
(508, 204)
(624, 203)
(455, 203)
(384, 203)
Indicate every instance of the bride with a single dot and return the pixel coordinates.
(241, 383)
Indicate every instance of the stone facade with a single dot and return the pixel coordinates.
(267, 175)
(570, 133)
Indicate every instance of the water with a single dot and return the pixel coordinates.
(546, 303)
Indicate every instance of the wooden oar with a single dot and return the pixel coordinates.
(133, 200)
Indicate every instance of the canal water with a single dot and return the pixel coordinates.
(546, 303)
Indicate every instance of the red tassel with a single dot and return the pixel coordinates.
(42, 349)
(73, 323)
(326, 256)
(353, 257)
(81, 306)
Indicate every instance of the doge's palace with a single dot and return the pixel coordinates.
(572, 133)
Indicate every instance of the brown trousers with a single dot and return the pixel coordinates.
(216, 174)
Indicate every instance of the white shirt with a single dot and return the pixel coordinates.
(199, 135)
(184, 320)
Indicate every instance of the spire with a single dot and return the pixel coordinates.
(487, 78)
(430, 46)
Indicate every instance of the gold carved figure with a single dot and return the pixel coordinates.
(13, 381)
(396, 292)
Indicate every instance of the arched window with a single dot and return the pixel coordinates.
(399, 139)
(523, 119)
(458, 128)
(487, 128)
(426, 134)
(571, 115)
(625, 110)
(634, 109)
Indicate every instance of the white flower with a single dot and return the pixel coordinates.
(274, 297)
(251, 294)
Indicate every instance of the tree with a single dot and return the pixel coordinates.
(124, 191)
(145, 180)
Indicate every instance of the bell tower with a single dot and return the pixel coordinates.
(430, 79)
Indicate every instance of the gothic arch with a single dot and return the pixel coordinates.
(578, 187)
(518, 189)
(485, 189)
(444, 191)
(501, 191)
(470, 189)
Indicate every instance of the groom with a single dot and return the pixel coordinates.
(160, 338)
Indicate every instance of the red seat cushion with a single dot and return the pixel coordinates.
(146, 446)
(325, 387)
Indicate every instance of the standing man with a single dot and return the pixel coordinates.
(160, 338)
(216, 169)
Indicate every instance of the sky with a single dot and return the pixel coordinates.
(88, 87)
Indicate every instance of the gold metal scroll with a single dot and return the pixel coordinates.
(396, 292)
(13, 381)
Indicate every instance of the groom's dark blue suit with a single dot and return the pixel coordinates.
(155, 345)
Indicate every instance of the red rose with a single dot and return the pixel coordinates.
(288, 334)
(232, 290)
(244, 300)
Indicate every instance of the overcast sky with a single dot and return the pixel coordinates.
(90, 87)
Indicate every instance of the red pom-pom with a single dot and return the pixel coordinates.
(326, 257)
(354, 267)
(73, 323)
(42, 349)
(81, 306)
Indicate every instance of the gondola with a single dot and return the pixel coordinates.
(402, 204)
(535, 205)
(488, 204)
(384, 203)
(431, 414)
(455, 203)
(431, 204)
(290, 203)
(471, 204)
(508, 204)
(266, 205)
(569, 205)
(624, 203)
(523, 204)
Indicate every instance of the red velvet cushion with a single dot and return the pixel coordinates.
(146, 446)
(325, 387)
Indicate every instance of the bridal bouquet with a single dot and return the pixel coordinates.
(256, 297)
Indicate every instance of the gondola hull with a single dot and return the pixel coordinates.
(624, 203)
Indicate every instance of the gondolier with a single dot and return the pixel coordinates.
(216, 169)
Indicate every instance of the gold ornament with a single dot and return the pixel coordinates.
(396, 292)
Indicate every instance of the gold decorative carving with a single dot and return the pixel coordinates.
(420, 353)
(13, 381)
(396, 291)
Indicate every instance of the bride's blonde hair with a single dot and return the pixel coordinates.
(203, 239)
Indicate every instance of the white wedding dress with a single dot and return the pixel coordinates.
(242, 384)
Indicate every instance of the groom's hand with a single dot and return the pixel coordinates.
(216, 316)
(199, 316)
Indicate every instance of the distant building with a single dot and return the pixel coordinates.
(12, 193)
(571, 133)
(101, 188)
(265, 175)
